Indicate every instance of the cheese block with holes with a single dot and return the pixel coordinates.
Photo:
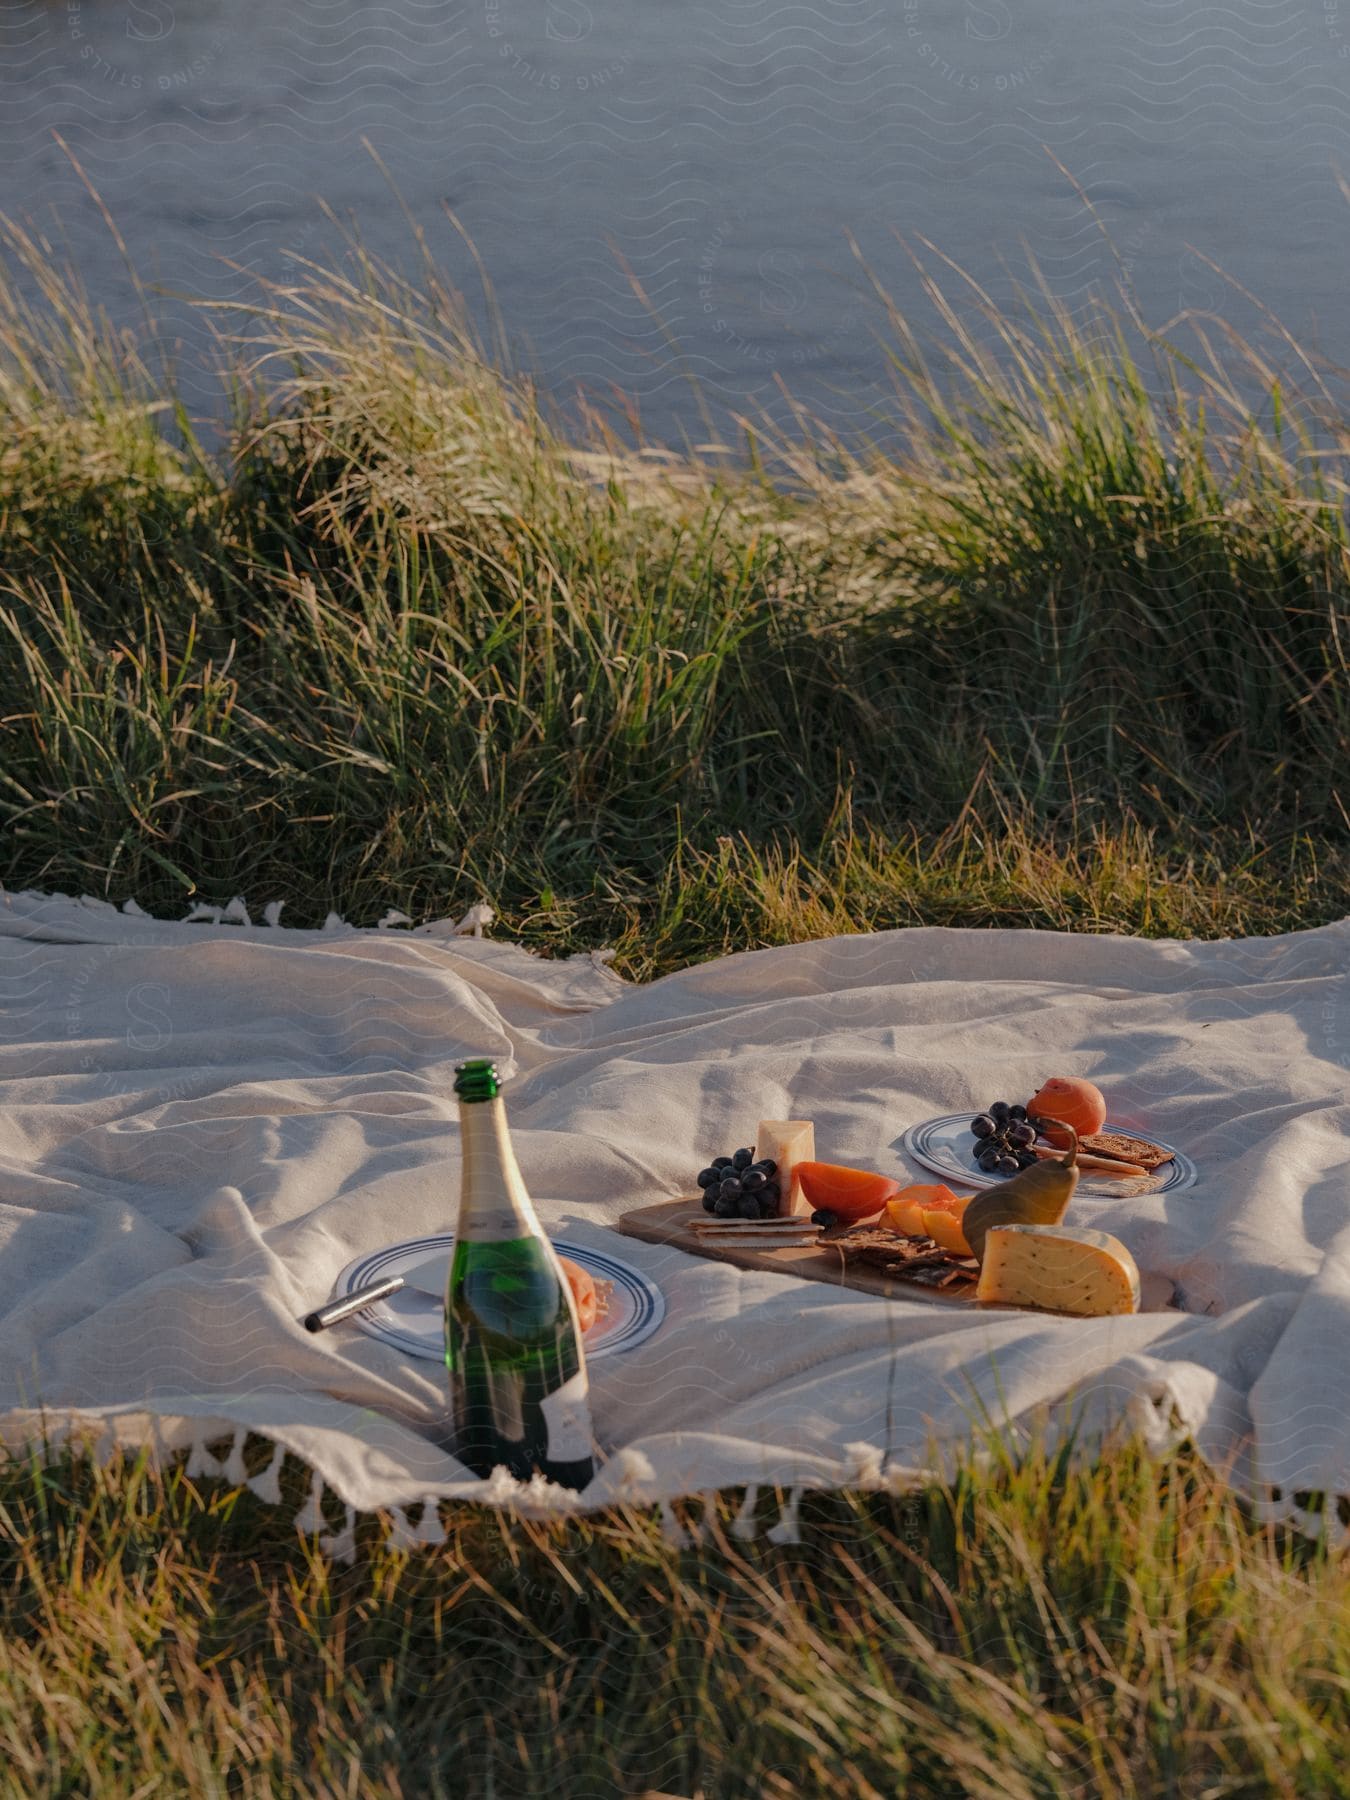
(1087, 1273)
(788, 1142)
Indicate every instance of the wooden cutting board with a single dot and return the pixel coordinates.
(668, 1223)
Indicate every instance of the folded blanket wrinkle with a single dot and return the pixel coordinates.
(203, 1121)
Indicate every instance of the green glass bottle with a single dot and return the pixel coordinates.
(518, 1389)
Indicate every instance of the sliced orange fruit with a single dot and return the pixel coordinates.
(905, 1214)
(945, 1228)
(930, 1209)
(850, 1194)
(583, 1292)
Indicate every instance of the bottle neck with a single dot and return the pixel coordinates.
(494, 1204)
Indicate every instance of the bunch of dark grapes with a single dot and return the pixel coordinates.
(1003, 1139)
(738, 1187)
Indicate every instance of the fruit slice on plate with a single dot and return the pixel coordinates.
(583, 1288)
(850, 1194)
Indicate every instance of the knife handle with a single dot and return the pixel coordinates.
(337, 1310)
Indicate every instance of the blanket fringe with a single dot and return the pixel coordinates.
(235, 1469)
(310, 1518)
(671, 1529)
(475, 921)
(479, 916)
(705, 1524)
(341, 1545)
(788, 1530)
(401, 1534)
(200, 1460)
(1326, 1518)
(266, 1484)
(745, 1526)
(1325, 1525)
(430, 1531)
(236, 913)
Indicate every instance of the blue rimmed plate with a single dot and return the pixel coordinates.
(412, 1319)
(946, 1147)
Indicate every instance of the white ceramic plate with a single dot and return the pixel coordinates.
(946, 1147)
(412, 1320)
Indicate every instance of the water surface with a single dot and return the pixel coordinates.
(667, 196)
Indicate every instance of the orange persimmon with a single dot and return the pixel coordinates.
(1072, 1101)
(850, 1194)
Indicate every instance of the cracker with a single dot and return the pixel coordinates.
(1123, 1148)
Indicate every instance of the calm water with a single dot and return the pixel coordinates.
(664, 193)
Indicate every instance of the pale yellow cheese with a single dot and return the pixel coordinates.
(788, 1142)
(1087, 1273)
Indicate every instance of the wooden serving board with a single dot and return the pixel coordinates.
(668, 1223)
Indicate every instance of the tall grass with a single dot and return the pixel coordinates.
(1031, 1632)
(397, 642)
(1078, 660)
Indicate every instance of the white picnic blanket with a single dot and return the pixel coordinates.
(202, 1122)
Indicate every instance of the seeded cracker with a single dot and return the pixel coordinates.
(1126, 1149)
(919, 1260)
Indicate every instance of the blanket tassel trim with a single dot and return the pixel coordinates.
(429, 1531)
(1269, 1506)
(472, 924)
(1329, 1521)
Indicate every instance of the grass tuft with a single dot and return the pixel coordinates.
(1078, 659)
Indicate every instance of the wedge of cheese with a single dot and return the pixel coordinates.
(788, 1142)
(1086, 1273)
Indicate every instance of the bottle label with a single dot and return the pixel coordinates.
(567, 1415)
(487, 1223)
